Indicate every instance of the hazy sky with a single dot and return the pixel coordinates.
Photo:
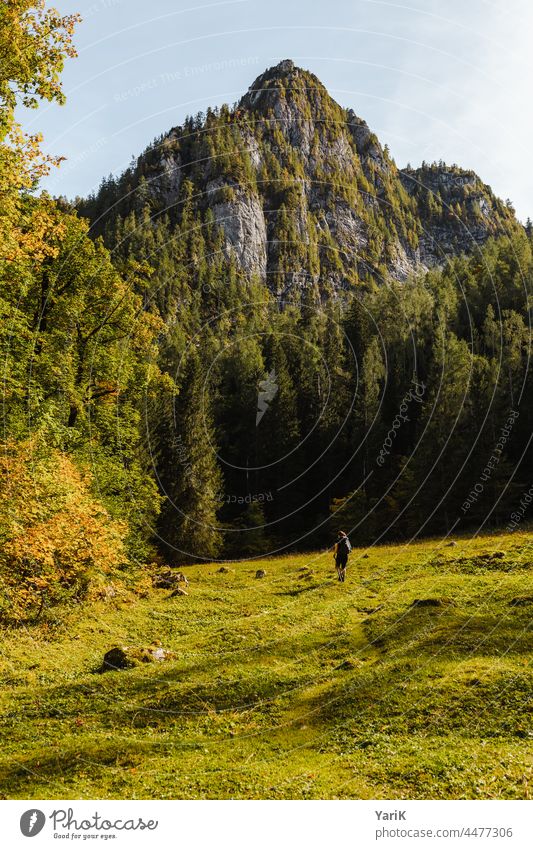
(435, 79)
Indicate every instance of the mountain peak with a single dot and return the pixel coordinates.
(304, 191)
(284, 67)
(285, 75)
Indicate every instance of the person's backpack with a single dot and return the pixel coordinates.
(344, 545)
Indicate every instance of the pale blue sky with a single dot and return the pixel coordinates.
(434, 79)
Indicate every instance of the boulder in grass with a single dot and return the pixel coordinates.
(108, 592)
(126, 657)
(348, 664)
(432, 602)
(163, 581)
(168, 580)
(521, 601)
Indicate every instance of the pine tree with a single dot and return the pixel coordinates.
(187, 470)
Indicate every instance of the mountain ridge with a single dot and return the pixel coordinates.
(303, 193)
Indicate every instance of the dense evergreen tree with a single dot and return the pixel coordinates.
(188, 473)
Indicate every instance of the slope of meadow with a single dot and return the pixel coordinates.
(289, 686)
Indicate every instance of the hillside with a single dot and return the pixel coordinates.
(291, 686)
(303, 192)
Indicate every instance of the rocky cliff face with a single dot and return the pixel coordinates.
(457, 211)
(303, 193)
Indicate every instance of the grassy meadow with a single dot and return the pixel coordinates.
(288, 686)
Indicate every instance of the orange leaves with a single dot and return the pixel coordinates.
(34, 43)
(30, 230)
(54, 536)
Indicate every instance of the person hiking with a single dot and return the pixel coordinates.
(340, 553)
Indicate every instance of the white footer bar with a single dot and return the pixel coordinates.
(268, 824)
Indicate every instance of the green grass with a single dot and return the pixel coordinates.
(284, 687)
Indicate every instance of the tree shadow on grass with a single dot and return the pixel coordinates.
(26, 771)
(299, 590)
(451, 632)
(439, 672)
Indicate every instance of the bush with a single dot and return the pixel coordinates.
(57, 543)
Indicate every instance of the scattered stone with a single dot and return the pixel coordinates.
(522, 601)
(168, 579)
(498, 560)
(347, 664)
(260, 573)
(431, 602)
(107, 592)
(488, 557)
(162, 582)
(126, 657)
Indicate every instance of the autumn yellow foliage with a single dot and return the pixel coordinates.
(57, 543)
(34, 43)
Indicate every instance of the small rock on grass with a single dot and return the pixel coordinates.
(521, 601)
(168, 579)
(348, 664)
(126, 657)
(260, 573)
(107, 592)
(432, 602)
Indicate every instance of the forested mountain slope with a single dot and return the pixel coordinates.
(300, 274)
